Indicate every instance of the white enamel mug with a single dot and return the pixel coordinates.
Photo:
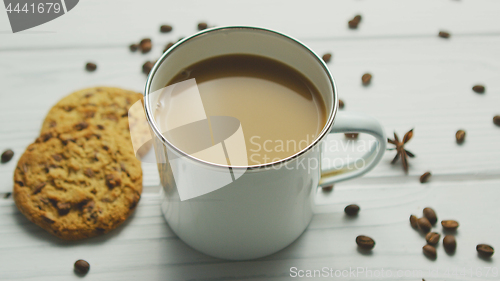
(262, 208)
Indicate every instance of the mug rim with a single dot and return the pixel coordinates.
(324, 132)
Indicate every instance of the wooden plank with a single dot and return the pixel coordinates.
(146, 248)
(121, 22)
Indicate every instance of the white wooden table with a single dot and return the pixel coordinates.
(419, 81)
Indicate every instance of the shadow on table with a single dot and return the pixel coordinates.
(163, 256)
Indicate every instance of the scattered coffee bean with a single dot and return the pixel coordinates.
(82, 267)
(327, 188)
(430, 215)
(365, 242)
(432, 238)
(202, 25)
(145, 45)
(366, 79)
(133, 47)
(7, 155)
(7, 195)
(351, 135)
(147, 66)
(425, 177)
(327, 57)
(430, 251)
(351, 210)
(168, 46)
(449, 224)
(478, 89)
(496, 120)
(485, 250)
(449, 243)
(414, 221)
(165, 28)
(353, 24)
(90, 66)
(460, 135)
(424, 224)
(444, 34)
(341, 104)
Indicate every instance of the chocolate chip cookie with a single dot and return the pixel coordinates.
(78, 184)
(104, 107)
(81, 177)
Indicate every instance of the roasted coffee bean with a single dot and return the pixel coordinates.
(202, 25)
(327, 188)
(496, 120)
(353, 24)
(429, 251)
(365, 242)
(341, 104)
(432, 238)
(444, 34)
(485, 250)
(7, 155)
(366, 79)
(145, 45)
(425, 177)
(424, 224)
(327, 57)
(351, 210)
(351, 135)
(430, 215)
(146, 67)
(357, 18)
(449, 243)
(90, 66)
(133, 47)
(478, 89)
(414, 222)
(168, 46)
(7, 195)
(460, 135)
(82, 267)
(165, 28)
(449, 224)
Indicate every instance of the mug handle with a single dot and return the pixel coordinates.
(347, 122)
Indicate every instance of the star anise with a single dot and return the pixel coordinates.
(401, 151)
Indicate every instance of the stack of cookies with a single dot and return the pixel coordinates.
(81, 177)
